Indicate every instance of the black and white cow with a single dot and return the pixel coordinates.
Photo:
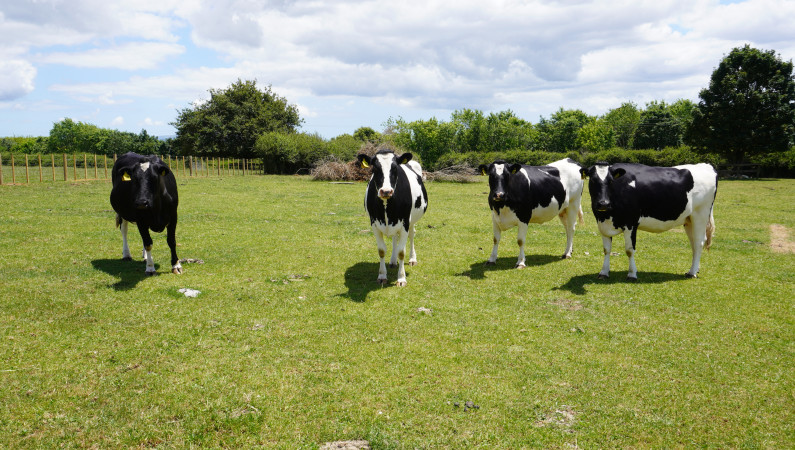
(395, 200)
(145, 193)
(631, 197)
(520, 195)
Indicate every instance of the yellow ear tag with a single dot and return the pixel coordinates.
(483, 171)
(616, 175)
(163, 172)
(364, 164)
(126, 177)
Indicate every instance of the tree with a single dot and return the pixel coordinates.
(559, 133)
(658, 128)
(749, 107)
(366, 134)
(623, 121)
(229, 123)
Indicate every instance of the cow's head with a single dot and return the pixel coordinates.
(499, 173)
(146, 182)
(604, 181)
(385, 165)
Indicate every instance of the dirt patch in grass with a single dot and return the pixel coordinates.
(567, 304)
(562, 417)
(780, 240)
(346, 445)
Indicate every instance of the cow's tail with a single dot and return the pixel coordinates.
(579, 215)
(710, 230)
(118, 221)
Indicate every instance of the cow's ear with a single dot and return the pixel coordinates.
(584, 172)
(404, 158)
(515, 168)
(483, 169)
(162, 169)
(618, 173)
(364, 160)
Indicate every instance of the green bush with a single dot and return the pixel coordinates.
(288, 153)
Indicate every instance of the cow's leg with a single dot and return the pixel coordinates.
(607, 245)
(412, 253)
(147, 241)
(629, 246)
(393, 258)
(520, 239)
(696, 229)
(379, 241)
(402, 236)
(497, 236)
(171, 239)
(569, 221)
(125, 249)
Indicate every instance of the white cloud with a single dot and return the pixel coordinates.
(132, 56)
(117, 122)
(16, 79)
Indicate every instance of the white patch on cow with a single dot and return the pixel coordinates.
(632, 183)
(125, 249)
(601, 172)
(499, 168)
(385, 161)
(144, 166)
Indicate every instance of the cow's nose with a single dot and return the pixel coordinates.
(603, 204)
(499, 195)
(385, 193)
(142, 204)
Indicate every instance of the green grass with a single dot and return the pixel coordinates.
(292, 343)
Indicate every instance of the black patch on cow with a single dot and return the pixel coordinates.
(659, 193)
(149, 199)
(418, 202)
(522, 197)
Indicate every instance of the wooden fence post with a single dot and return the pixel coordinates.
(65, 167)
(96, 172)
(85, 166)
(27, 173)
(74, 166)
(41, 179)
(13, 171)
(105, 163)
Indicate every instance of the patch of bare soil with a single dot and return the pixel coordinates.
(780, 241)
(346, 445)
(567, 304)
(563, 417)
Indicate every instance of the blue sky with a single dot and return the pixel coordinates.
(132, 64)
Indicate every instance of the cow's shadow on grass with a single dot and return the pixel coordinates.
(130, 273)
(477, 271)
(577, 285)
(361, 279)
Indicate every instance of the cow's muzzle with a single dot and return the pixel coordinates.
(143, 204)
(498, 197)
(603, 206)
(385, 193)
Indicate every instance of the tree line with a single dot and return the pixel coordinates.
(747, 113)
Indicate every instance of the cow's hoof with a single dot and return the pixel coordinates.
(602, 276)
(127, 258)
(400, 283)
(177, 271)
(632, 279)
(413, 263)
(520, 266)
(382, 281)
(690, 275)
(565, 256)
(491, 263)
(149, 274)
(392, 265)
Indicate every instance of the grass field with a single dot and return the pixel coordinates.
(292, 343)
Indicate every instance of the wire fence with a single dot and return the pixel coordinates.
(27, 169)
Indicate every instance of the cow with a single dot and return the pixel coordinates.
(145, 193)
(395, 200)
(631, 197)
(520, 195)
